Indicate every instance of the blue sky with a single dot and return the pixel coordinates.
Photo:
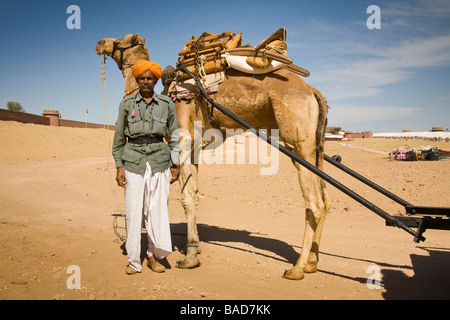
(385, 80)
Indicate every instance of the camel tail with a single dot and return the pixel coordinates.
(321, 127)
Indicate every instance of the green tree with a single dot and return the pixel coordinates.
(336, 130)
(14, 106)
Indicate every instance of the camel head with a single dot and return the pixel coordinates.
(125, 51)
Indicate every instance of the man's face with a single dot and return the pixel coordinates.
(147, 82)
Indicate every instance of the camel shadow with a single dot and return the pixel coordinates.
(266, 247)
(220, 236)
(431, 278)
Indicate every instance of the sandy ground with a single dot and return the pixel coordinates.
(59, 200)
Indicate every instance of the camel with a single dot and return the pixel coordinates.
(279, 100)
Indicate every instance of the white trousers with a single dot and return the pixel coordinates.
(146, 198)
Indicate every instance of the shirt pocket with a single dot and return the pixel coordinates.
(159, 126)
(135, 125)
(131, 155)
(162, 153)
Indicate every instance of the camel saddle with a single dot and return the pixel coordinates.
(213, 53)
(203, 56)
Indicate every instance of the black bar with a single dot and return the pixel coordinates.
(424, 223)
(367, 181)
(434, 211)
(430, 223)
(306, 164)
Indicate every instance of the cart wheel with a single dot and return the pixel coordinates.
(337, 158)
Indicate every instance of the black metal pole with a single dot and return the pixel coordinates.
(394, 222)
(367, 181)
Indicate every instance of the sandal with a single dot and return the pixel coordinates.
(131, 271)
(156, 267)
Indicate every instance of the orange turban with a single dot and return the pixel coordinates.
(142, 66)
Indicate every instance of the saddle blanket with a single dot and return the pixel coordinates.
(187, 89)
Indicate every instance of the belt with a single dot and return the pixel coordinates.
(145, 140)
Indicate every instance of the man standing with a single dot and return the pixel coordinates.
(144, 165)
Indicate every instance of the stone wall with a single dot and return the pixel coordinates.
(49, 118)
(7, 115)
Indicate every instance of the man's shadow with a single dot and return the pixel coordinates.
(220, 236)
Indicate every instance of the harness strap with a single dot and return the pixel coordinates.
(115, 47)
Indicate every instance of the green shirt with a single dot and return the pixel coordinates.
(157, 118)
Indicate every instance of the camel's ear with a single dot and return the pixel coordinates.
(136, 39)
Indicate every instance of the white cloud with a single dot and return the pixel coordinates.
(432, 52)
(388, 65)
(420, 8)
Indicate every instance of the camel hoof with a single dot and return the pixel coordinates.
(293, 274)
(310, 268)
(184, 250)
(188, 263)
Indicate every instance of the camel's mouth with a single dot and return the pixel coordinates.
(99, 47)
(103, 47)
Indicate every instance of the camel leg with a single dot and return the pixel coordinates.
(189, 199)
(316, 202)
(313, 259)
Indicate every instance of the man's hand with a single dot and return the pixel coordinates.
(120, 177)
(174, 171)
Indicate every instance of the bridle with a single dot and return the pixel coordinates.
(122, 50)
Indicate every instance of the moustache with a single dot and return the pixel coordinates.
(146, 86)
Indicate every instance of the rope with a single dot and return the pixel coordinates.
(116, 226)
(280, 50)
(202, 73)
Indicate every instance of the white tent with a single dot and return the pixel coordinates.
(414, 135)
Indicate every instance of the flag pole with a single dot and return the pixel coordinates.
(86, 119)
